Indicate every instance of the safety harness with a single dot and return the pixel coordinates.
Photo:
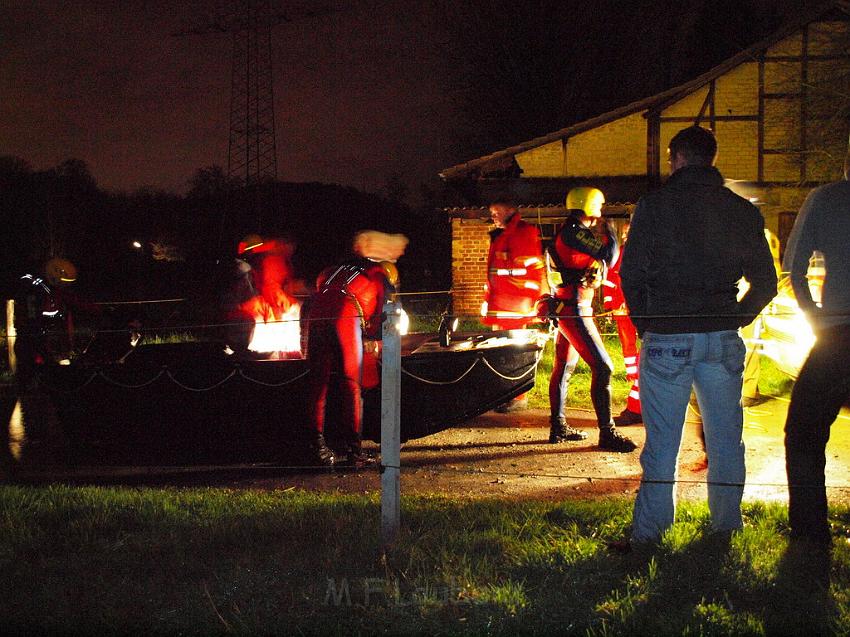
(590, 277)
(341, 280)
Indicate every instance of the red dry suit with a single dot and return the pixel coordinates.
(344, 315)
(515, 275)
(615, 302)
(579, 256)
(271, 271)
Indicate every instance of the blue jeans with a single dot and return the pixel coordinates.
(670, 365)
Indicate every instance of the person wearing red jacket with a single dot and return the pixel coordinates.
(615, 302)
(579, 253)
(516, 276)
(344, 327)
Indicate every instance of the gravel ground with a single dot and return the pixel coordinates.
(502, 456)
(507, 456)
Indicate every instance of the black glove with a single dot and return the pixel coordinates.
(546, 311)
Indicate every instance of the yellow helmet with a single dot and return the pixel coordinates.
(250, 242)
(60, 271)
(391, 271)
(588, 200)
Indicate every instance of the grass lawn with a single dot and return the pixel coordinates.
(87, 560)
(92, 560)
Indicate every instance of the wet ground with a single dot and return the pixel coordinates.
(493, 455)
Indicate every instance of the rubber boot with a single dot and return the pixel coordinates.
(560, 431)
(357, 459)
(612, 440)
(320, 454)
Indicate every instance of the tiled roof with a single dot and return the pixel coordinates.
(545, 210)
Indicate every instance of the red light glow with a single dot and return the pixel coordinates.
(277, 332)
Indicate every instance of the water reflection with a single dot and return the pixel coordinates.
(30, 433)
(35, 437)
(16, 431)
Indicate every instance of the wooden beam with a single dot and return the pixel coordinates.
(760, 140)
(716, 118)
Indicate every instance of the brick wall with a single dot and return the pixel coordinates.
(613, 149)
(544, 161)
(470, 245)
(792, 45)
(688, 105)
(736, 91)
(828, 38)
(737, 156)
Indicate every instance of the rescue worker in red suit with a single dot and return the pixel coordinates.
(614, 302)
(579, 253)
(238, 294)
(344, 327)
(516, 276)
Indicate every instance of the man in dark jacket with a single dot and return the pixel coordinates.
(690, 243)
(823, 386)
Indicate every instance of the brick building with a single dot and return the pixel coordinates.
(779, 110)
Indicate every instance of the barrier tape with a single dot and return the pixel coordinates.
(188, 327)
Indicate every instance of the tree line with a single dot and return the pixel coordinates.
(151, 243)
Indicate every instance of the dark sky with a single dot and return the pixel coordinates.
(360, 94)
(356, 99)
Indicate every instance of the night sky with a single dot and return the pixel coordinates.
(378, 88)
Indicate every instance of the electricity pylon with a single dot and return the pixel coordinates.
(252, 148)
(252, 153)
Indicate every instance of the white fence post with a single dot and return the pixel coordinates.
(391, 424)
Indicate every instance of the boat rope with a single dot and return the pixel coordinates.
(281, 384)
(112, 381)
(166, 372)
(99, 373)
(241, 372)
(288, 381)
(200, 389)
(479, 358)
(440, 382)
(532, 369)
